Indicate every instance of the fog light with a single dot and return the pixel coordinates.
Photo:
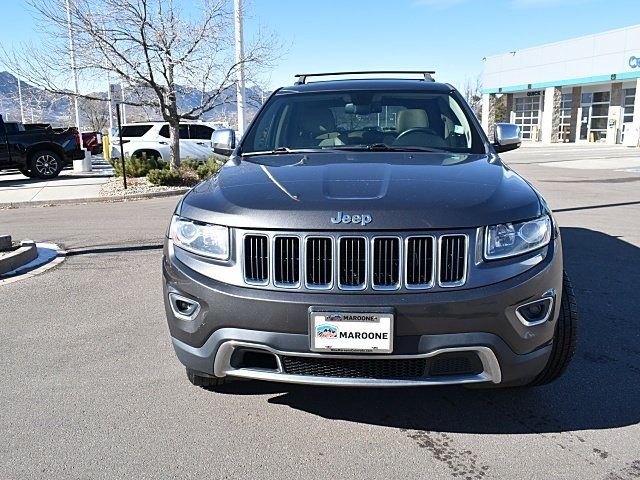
(536, 312)
(183, 308)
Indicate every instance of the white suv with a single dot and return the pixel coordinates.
(152, 139)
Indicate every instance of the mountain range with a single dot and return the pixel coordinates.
(41, 106)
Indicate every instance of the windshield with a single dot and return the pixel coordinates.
(363, 120)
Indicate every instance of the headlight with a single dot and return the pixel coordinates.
(510, 239)
(201, 238)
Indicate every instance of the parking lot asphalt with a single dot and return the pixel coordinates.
(91, 387)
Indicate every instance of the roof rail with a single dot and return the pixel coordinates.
(301, 78)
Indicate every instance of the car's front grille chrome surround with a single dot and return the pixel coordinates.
(352, 262)
(453, 260)
(319, 263)
(256, 259)
(286, 264)
(420, 262)
(385, 263)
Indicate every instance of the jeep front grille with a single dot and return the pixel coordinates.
(420, 264)
(319, 263)
(355, 262)
(256, 259)
(385, 269)
(287, 261)
(453, 256)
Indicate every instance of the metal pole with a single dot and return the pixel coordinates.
(74, 73)
(109, 94)
(110, 97)
(124, 172)
(240, 87)
(124, 105)
(20, 97)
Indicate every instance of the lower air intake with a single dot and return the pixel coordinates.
(354, 368)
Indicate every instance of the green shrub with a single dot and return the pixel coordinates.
(188, 176)
(181, 177)
(211, 167)
(190, 163)
(169, 178)
(138, 166)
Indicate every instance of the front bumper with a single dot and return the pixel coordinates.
(480, 320)
(499, 363)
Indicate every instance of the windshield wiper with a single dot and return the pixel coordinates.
(281, 150)
(383, 147)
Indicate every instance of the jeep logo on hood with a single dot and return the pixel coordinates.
(362, 218)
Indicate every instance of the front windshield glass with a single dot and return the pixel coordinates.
(363, 119)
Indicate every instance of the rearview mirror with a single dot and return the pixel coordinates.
(362, 109)
(507, 137)
(223, 141)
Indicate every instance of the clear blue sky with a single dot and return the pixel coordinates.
(450, 36)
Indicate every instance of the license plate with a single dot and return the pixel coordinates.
(351, 332)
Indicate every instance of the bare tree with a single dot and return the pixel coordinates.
(159, 51)
(43, 107)
(95, 113)
(472, 92)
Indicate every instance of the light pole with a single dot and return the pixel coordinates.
(20, 97)
(124, 105)
(240, 88)
(110, 98)
(74, 73)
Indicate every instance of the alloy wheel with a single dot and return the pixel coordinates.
(46, 165)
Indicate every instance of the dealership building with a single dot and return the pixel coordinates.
(580, 90)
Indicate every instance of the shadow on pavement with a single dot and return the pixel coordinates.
(600, 390)
(100, 169)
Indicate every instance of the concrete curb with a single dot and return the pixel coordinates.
(27, 252)
(77, 201)
(47, 264)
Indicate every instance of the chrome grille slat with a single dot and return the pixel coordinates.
(256, 263)
(352, 263)
(420, 255)
(286, 268)
(385, 267)
(331, 260)
(453, 260)
(319, 262)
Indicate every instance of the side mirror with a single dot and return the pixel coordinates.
(223, 141)
(507, 137)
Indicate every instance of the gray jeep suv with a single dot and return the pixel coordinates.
(366, 233)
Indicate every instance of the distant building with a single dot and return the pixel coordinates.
(578, 90)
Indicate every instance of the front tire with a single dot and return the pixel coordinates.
(207, 383)
(45, 164)
(565, 338)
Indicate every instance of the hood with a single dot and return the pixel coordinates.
(383, 190)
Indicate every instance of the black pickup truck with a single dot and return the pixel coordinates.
(40, 152)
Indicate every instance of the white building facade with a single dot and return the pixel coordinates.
(581, 90)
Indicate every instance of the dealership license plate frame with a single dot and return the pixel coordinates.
(326, 311)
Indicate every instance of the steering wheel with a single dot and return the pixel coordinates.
(415, 130)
